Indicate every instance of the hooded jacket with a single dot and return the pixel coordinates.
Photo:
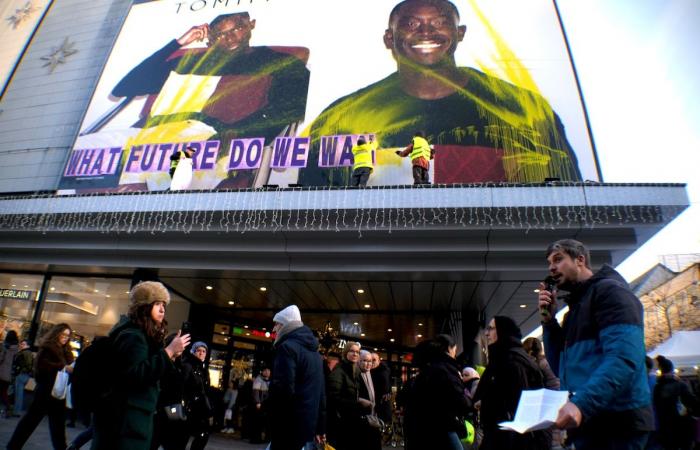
(599, 353)
(509, 372)
(297, 390)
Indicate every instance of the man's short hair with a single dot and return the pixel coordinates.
(223, 17)
(570, 247)
(449, 4)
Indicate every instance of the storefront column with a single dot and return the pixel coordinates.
(39, 309)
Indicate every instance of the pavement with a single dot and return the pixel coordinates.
(40, 439)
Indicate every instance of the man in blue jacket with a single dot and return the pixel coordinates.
(599, 351)
(297, 390)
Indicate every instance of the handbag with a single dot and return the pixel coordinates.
(60, 385)
(30, 385)
(374, 422)
(228, 414)
(175, 412)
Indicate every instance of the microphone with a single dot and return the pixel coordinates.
(550, 285)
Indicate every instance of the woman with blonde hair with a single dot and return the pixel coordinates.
(54, 355)
(125, 421)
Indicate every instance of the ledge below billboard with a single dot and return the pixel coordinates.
(273, 92)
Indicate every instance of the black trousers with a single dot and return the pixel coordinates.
(420, 175)
(42, 405)
(360, 176)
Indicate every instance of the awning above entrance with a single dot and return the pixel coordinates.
(421, 255)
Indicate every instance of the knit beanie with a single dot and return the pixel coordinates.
(147, 292)
(198, 345)
(470, 372)
(665, 364)
(289, 314)
(507, 328)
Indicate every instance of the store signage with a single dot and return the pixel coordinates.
(17, 294)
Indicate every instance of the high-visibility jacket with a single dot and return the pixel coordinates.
(173, 162)
(363, 155)
(420, 148)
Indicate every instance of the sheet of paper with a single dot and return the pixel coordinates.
(537, 410)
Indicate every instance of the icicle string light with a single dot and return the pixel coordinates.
(376, 209)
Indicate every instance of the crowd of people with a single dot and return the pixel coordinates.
(159, 395)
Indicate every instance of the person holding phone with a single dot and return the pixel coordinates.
(125, 421)
(598, 352)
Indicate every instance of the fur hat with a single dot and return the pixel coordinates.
(289, 314)
(147, 292)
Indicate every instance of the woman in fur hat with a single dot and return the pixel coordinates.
(126, 421)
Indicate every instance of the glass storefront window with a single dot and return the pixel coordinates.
(18, 296)
(91, 306)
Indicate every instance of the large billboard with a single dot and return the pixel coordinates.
(19, 20)
(278, 92)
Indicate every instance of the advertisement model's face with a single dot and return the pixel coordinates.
(233, 33)
(424, 33)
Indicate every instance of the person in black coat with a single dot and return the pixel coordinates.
(297, 392)
(197, 403)
(345, 408)
(675, 430)
(437, 404)
(381, 377)
(509, 371)
(170, 430)
(54, 355)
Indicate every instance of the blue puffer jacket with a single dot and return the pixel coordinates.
(599, 352)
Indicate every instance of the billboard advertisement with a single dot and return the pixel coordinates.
(277, 92)
(19, 20)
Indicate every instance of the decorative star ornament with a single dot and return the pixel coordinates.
(58, 55)
(21, 15)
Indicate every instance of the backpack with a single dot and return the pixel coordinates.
(92, 381)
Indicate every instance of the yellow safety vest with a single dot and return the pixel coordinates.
(362, 155)
(420, 148)
(173, 163)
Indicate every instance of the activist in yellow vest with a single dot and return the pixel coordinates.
(420, 148)
(362, 153)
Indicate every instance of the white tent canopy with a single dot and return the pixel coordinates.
(683, 348)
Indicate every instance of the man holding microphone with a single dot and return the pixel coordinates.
(599, 351)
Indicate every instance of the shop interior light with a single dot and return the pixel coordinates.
(392, 340)
(419, 335)
(389, 330)
(420, 324)
(523, 306)
(263, 288)
(209, 288)
(367, 306)
(360, 291)
(362, 334)
(231, 302)
(356, 323)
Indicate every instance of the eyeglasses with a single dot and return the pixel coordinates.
(218, 36)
